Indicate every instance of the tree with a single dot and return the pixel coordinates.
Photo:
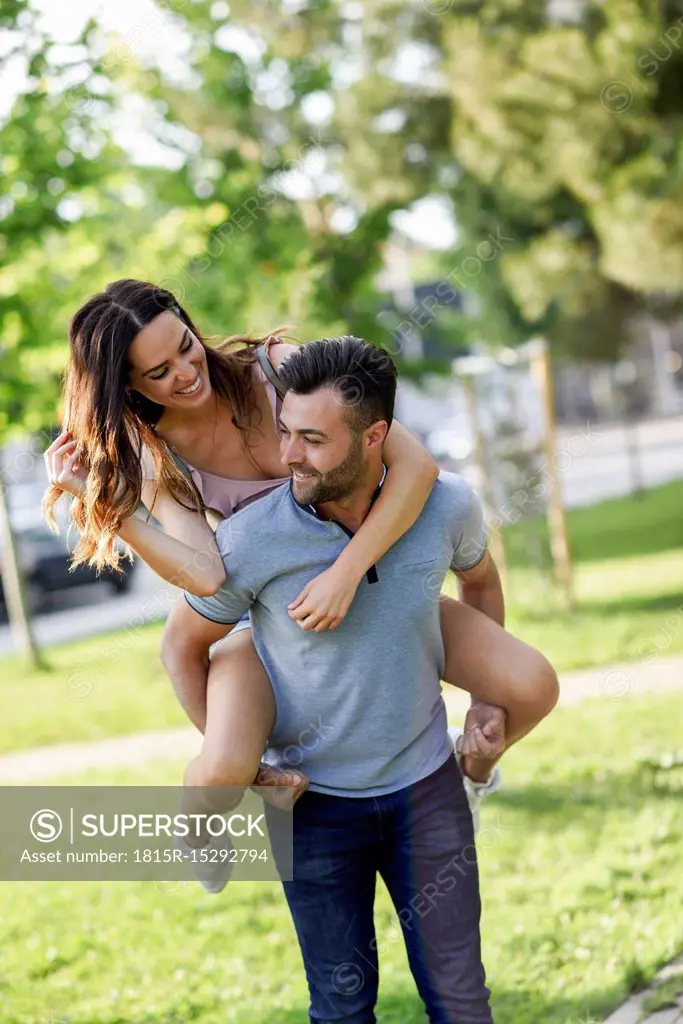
(274, 252)
(74, 214)
(560, 136)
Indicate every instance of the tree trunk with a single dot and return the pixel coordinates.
(13, 585)
(495, 537)
(557, 520)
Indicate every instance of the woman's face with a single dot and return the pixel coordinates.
(169, 364)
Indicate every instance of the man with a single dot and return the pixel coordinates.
(360, 705)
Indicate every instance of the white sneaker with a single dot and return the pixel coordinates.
(211, 864)
(476, 791)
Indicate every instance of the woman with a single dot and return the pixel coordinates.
(155, 416)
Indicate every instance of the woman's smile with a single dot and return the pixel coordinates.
(194, 387)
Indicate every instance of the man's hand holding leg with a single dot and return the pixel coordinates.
(483, 740)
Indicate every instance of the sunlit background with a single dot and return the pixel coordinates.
(492, 192)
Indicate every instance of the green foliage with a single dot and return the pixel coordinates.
(74, 215)
(219, 231)
(562, 139)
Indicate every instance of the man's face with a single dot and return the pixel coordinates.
(327, 459)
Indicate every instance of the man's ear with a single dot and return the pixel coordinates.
(375, 435)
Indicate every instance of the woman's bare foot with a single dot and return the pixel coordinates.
(280, 787)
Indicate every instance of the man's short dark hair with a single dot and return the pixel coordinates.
(363, 376)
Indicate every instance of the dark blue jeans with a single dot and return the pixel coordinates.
(420, 840)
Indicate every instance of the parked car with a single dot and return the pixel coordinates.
(46, 557)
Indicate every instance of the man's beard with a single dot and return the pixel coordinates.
(338, 483)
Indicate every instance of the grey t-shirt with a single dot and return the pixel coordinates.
(359, 708)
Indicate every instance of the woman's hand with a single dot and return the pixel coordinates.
(324, 602)
(63, 467)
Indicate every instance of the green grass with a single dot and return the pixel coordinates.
(665, 995)
(629, 606)
(619, 528)
(105, 686)
(628, 565)
(581, 879)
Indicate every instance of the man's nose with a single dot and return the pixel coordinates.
(291, 450)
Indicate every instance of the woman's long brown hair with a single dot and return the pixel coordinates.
(112, 423)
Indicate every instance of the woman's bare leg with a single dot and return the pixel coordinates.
(240, 712)
(497, 668)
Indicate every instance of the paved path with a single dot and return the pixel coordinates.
(38, 764)
(614, 682)
(81, 611)
(632, 1011)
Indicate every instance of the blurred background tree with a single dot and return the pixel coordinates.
(290, 145)
(299, 131)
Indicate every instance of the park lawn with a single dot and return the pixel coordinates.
(580, 872)
(109, 685)
(629, 606)
(641, 524)
(627, 609)
(628, 568)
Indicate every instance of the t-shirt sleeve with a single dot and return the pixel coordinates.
(470, 533)
(226, 606)
(238, 592)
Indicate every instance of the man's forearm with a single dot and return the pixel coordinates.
(485, 594)
(189, 674)
(487, 598)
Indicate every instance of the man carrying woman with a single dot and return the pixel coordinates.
(153, 415)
